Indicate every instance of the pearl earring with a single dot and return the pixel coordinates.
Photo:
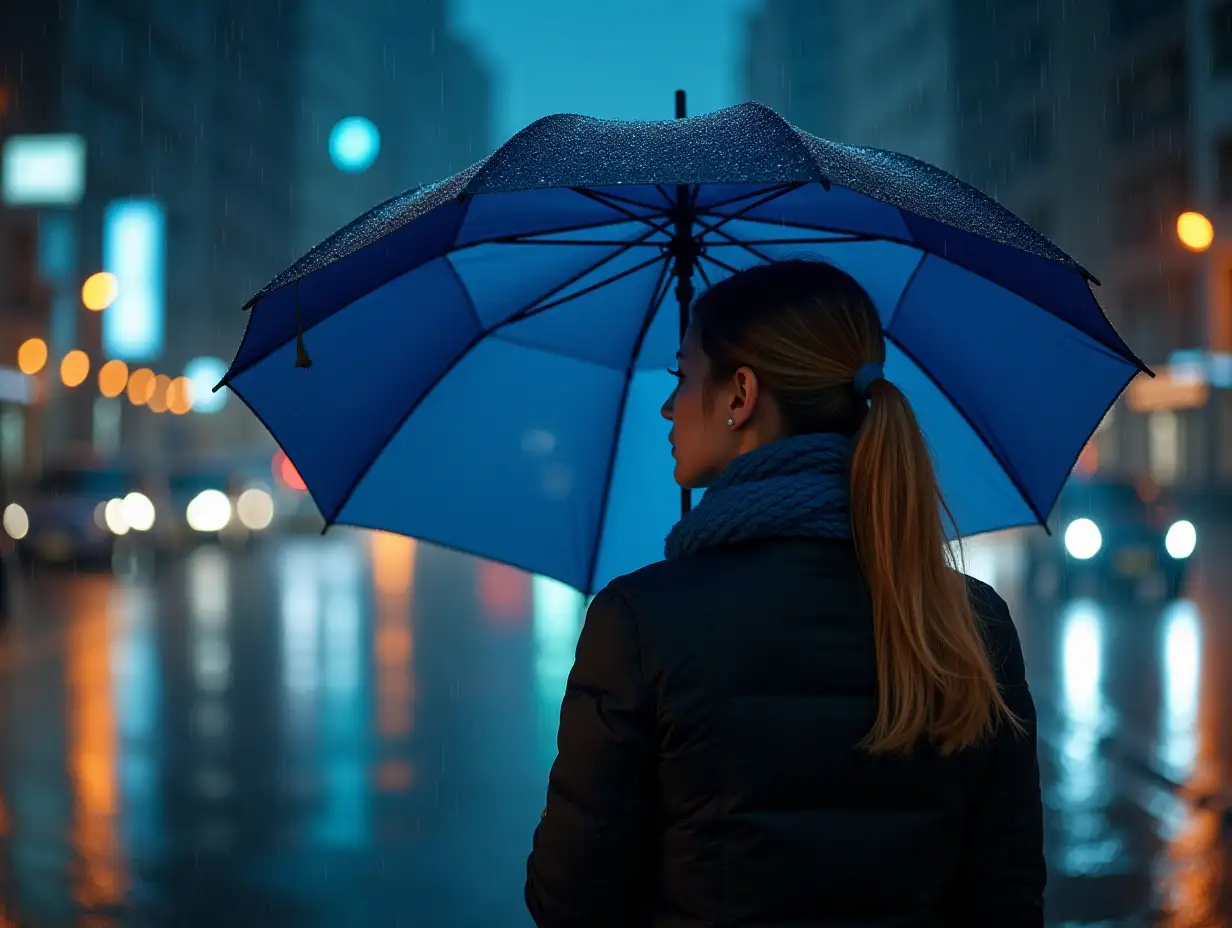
(731, 422)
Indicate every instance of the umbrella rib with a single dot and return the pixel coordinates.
(590, 195)
(666, 196)
(617, 198)
(764, 198)
(795, 241)
(656, 301)
(537, 308)
(747, 247)
(706, 256)
(701, 269)
(579, 241)
(570, 281)
(517, 238)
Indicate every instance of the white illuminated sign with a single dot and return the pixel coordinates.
(43, 170)
(134, 250)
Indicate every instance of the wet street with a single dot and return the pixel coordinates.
(357, 730)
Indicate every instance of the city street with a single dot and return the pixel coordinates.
(356, 730)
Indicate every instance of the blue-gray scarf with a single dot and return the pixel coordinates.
(792, 488)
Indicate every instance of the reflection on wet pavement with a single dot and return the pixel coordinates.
(357, 730)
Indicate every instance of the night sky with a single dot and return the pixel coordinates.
(626, 65)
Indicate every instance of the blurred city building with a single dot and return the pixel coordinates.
(1099, 122)
(221, 138)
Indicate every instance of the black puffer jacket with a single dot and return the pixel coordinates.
(707, 772)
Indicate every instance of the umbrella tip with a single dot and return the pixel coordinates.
(301, 352)
(681, 106)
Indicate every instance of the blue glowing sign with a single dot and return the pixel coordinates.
(354, 143)
(134, 250)
(203, 374)
(43, 170)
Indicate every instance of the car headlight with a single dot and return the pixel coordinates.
(209, 511)
(1181, 539)
(1083, 539)
(255, 509)
(138, 511)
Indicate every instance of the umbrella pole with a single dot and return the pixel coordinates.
(683, 247)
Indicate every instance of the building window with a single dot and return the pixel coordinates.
(1223, 170)
(1145, 205)
(1164, 446)
(1149, 94)
(1129, 16)
(1221, 37)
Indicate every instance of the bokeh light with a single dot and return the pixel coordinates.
(112, 378)
(32, 356)
(285, 472)
(138, 510)
(354, 143)
(204, 374)
(158, 398)
(113, 515)
(16, 521)
(255, 509)
(180, 396)
(141, 386)
(99, 291)
(1195, 231)
(75, 368)
(209, 511)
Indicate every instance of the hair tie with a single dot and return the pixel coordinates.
(865, 377)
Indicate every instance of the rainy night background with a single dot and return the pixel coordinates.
(211, 714)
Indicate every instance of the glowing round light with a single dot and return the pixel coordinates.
(99, 291)
(354, 143)
(75, 368)
(180, 396)
(141, 386)
(112, 378)
(113, 515)
(286, 473)
(16, 521)
(255, 509)
(1181, 539)
(158, 397)
(209, 511)
(138, 511)
(1195, 231)
(1083, 539)
(204, 373)
(31, 356)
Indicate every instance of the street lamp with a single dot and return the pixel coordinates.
(99, 291)
(354, 143)
(1195, 231)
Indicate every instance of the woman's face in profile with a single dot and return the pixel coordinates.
(702, 442)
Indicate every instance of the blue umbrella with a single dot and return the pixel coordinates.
(480, 363)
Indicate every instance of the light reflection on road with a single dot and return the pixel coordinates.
(385, 713)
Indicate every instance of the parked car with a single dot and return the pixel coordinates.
(1111, 535)
(65, 507)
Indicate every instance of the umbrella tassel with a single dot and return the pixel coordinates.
(301, 351)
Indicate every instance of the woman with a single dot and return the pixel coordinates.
(805, 715)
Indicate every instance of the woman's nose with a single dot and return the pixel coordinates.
(666, 409)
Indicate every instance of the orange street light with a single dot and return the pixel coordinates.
(31, 356)
(75, 368)
(99, 291)
(1195, 231)
(141, 386)
(112, 378)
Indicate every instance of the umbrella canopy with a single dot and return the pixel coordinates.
(488, 353)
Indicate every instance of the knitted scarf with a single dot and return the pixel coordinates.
(794, 487)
